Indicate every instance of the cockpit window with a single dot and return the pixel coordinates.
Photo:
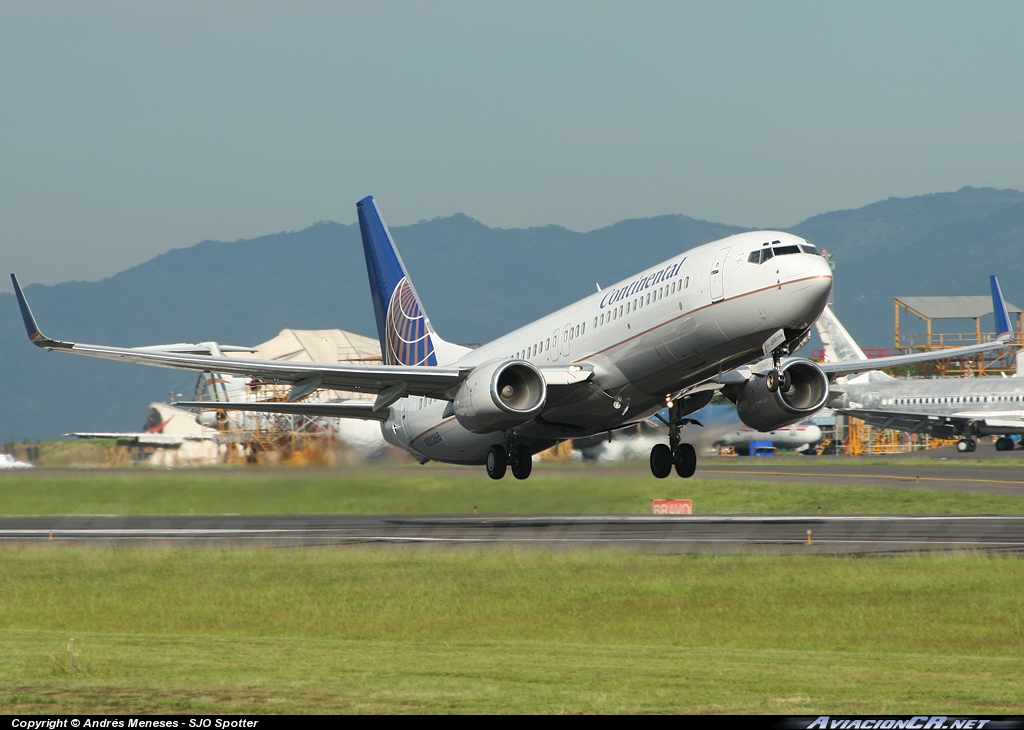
(760, 256)
(777, 248)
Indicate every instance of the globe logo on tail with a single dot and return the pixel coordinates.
(408, 338)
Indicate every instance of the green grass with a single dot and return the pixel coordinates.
(401, 490)
(412, 630)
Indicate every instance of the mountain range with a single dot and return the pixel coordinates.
(476, 282)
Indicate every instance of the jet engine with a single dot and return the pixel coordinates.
(802, 391)
(212, 419)
(500, 394)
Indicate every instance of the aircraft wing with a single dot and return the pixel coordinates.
(1003, 328)
(142, 438)
(390, 382)
(305, 378)
(938, 426)
(344, 409)
(838, 369)
(941, 426)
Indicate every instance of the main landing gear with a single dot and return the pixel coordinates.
(675, 454)
(966, 445)
(514, 455)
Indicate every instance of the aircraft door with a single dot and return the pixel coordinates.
(718, 275)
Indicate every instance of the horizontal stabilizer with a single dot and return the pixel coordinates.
(345, 409)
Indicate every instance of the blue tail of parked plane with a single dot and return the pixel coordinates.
(1003, 326)
(406, 336)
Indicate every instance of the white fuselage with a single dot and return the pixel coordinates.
(990, 405)
(667, 328)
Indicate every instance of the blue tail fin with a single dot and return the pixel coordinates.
(406, 337)
(1003, 326)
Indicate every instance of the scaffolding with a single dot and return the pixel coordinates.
(862, 439)
(273, 438)
(940, 309)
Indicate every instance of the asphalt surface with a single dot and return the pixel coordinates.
(677, 534)
(944, 470)
(959, 476)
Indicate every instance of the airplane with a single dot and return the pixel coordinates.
(963, 408)
(671, 335)
(720, 426)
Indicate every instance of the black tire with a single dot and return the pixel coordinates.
(784, 381)
(661, 461)
(1001, 444)
(963, 446)
(523, 464)
(972, 445)
(771, 380)
(686, 461)
(497, 461)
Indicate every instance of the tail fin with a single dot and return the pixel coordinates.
(841, 347)
(1004, 330)
(406, 336)
(839, 344)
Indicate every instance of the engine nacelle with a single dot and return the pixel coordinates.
(500, 395)
(805, 394)
(212, 419)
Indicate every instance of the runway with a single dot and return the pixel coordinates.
(833, 535)
(866, 472)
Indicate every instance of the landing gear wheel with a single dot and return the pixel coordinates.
(784, 381)
(686, 461)
(966, 445)
(661, 461)
(523, 463)
(497, 461)
(771, 380)
(1001, 444)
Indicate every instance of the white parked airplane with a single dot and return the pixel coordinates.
(674, 334)
(963, 408)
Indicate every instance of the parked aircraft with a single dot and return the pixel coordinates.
(722, 427)
(719, 426)
(673, 334)
(963, 408)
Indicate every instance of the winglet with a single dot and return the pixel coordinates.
(1004, 330)
(37, 337)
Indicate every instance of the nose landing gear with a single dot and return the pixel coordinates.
(675, 454)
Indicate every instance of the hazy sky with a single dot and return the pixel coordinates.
(128, 128)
